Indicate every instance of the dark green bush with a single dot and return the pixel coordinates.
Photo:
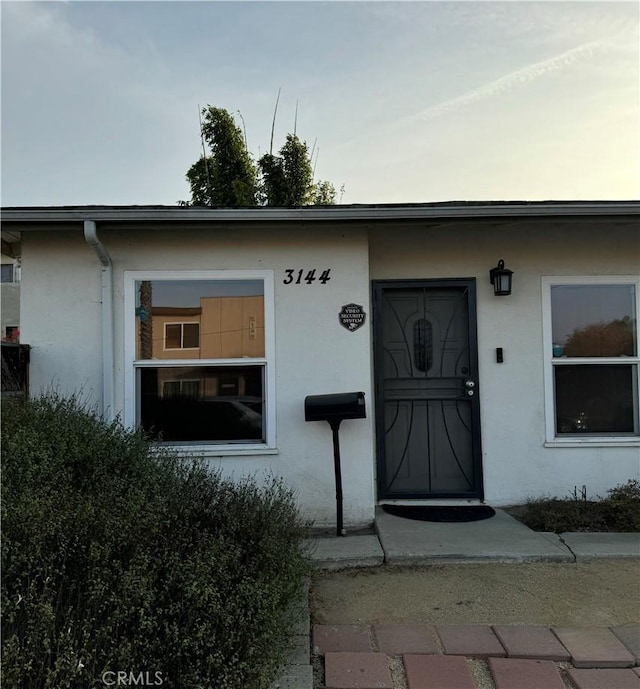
(121, 560)
(620, 511)
(558, 515)
(622, 506)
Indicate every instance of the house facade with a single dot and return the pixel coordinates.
(209, 327)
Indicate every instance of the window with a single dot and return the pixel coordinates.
(591, 359)
(201, 351)
(11, 333)
(181, 335)
(7, 272)
(181, 388)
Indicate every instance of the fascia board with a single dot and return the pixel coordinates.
(61, 218)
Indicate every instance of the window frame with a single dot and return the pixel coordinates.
(181, 348)
(562, 440)
(267, 362)
(13, 273)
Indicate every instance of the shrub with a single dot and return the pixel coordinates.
(116, 558)
(622, 506)
(620, 511)
(557, 515)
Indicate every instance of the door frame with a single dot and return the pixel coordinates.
(378, 287)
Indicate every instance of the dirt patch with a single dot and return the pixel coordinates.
(601, 593)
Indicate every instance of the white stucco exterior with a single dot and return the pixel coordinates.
(314, 354)
(516, 462)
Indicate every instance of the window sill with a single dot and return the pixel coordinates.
(195, 450)
(594, 442)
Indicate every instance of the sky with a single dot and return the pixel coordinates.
(405, 102)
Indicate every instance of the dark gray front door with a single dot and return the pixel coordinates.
(427, 409)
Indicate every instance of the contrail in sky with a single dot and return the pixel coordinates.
(517, 78)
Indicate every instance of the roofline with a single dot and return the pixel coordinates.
(382, 212)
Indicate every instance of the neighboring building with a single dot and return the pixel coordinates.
(10, 297)
(172, 400)
(209, 327)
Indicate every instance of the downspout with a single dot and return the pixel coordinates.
(91, 237)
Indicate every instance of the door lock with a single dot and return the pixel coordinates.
(470, 383)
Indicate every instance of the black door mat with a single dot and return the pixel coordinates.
(462, 513)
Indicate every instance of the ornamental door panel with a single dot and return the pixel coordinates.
(428, 417)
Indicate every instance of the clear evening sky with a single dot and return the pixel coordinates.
(408, 101)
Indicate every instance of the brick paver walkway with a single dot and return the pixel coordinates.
(479, 656)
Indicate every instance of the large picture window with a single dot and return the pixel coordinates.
(201, 349)
(592, 359)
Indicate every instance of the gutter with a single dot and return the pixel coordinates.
(367, 213)
(91, 237)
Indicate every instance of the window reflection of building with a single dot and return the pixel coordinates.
(202, 382)
(200, 359)
(220, 328)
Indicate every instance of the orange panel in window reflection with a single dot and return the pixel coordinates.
(220, 328)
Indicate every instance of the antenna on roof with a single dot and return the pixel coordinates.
(244, 129)
(204, 157)
(273, 124)
(313, 148)
(295, 119)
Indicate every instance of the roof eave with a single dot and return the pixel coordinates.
(115, 214)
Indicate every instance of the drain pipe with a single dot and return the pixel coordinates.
(91, 237)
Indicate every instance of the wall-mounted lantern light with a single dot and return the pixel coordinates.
(500, 278)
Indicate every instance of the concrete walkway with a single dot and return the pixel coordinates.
(373, 657)
(501, 538)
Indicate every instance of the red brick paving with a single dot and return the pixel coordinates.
(601, 655)
(595, 647)
(525, 641)
(341, 637)
(473, 640)
(357, 671)
(397, 639)
(522, 673)
(437, 672)
(605, 679)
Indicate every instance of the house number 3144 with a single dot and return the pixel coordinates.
(300, 276)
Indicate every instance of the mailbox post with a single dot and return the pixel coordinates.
(334, 409)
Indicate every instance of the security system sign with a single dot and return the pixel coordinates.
(351, 316)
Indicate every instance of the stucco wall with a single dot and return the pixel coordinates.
(314, 353)
(61, 320)
(516, 462)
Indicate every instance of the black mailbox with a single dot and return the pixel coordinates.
(334, 409)
(343, 405)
